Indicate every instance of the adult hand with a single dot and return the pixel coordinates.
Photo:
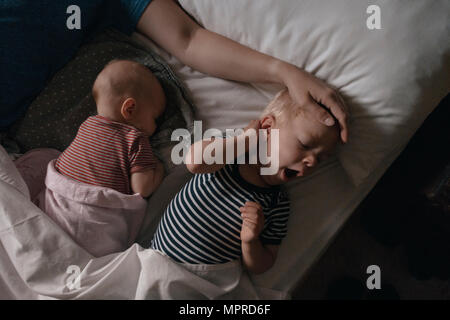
(309, 91)
(213, 54)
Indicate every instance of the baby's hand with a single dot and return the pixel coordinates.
(252, 221)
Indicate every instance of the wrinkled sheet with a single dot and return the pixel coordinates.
(101, 220)
(38, 260)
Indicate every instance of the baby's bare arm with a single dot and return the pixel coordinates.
(195, 161)
(146, 182)
(256, 257)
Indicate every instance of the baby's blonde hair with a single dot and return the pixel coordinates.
(282, 107)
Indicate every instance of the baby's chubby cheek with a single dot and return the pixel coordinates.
(288, 156)
(275, 142)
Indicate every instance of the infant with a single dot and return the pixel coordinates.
(112, 149)
(95, 189)
(230, 211)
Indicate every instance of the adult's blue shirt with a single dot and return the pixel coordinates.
(36, 43)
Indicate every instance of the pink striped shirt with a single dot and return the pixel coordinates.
(105, 153)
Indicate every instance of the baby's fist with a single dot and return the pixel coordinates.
(252, 221)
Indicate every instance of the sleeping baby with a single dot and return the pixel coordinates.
(95, 189)
(228, 212)
(112, 149)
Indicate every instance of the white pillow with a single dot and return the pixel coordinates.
(391, 78)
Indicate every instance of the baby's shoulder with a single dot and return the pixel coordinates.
(281, 199)
(283, 195)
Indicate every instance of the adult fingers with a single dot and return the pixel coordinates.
(333, 102)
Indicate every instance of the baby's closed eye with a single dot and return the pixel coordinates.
(303, 146)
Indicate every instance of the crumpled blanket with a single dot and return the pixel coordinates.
(38, 260)
(99, 219)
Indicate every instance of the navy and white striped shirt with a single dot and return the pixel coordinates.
(202, 224)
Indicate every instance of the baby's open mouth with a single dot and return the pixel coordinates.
(290, 173)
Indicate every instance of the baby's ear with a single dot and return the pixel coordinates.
(128, 108)
(267, 122)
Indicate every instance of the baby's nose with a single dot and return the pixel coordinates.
(310, 161)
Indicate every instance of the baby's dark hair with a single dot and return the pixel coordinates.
(119, 85)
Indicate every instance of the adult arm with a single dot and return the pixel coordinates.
(171, 28)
